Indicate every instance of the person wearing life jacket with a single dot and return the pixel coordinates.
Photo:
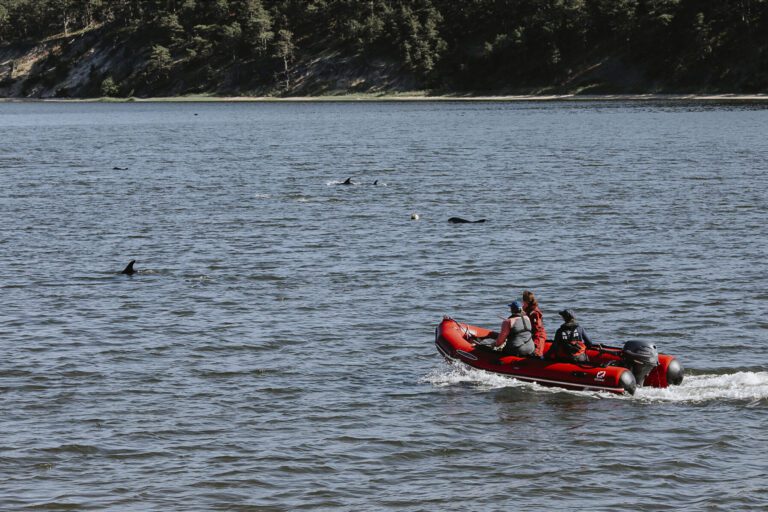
(531, 308)
(571, 340)
(514, 338)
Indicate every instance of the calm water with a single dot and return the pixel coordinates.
(275, 350)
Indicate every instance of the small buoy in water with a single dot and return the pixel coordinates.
(414, 216)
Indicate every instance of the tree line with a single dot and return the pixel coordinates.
(450, 45)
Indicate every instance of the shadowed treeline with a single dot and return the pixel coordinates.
(291, 47)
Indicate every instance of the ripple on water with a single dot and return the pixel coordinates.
(275, 350)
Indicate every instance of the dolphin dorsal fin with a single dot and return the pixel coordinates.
(129, 268)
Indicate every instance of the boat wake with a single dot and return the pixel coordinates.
(459, 374)
(739, 386)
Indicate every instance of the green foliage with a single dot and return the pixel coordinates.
(159, 66)
(284, 46)
(284, 49)
(200, 45)
(160, 60)
(4, 18)
(421, 42)
(256, 24)
(109, 88)
(459, 44)
(168, 28)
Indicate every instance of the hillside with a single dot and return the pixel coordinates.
(149, 48)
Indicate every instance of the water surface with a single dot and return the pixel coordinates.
(275, 352)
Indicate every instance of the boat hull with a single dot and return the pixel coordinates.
(602, 373)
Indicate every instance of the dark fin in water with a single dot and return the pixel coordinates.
(348, 181)
(459, 220)
(119, 168)
(376, 182)
(129, 268)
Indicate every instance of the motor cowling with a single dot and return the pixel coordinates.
(641, 357)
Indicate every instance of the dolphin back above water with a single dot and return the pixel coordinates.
(459, 220)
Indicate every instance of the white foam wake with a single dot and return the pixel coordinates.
(746, 386)
(457, 374)
(454, 374)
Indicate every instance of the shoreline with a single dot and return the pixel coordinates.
(405, 97)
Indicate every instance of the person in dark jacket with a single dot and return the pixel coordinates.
(515, 338)
(571, 340)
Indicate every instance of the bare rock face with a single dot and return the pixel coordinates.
(105, 61)
(63, 66)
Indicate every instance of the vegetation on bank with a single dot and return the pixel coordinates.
(87, 48)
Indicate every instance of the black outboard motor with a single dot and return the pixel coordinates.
(641, 357)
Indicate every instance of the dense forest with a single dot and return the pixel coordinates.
(85, 48)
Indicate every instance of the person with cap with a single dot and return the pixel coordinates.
(571, 340)
(514, 338)
(531, 308)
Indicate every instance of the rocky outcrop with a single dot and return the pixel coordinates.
(101, 61)
(65, 66)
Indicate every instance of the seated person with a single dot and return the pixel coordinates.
(515, 337)
(571, 341)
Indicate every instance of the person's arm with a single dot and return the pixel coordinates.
(505, 328)
(534, 318)
(536, 324)
(585, 337)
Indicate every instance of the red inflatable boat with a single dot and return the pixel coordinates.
(611, 369)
